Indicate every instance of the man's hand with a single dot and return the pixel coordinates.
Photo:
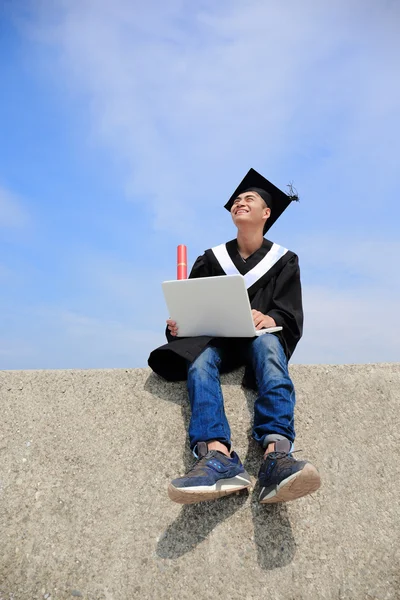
(172, 327)
(262, 321)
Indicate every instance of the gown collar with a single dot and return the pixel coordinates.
(255, 267)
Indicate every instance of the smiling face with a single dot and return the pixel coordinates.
(250, 209)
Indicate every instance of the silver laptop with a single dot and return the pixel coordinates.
(214, 306)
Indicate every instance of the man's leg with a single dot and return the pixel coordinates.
(218, 471)
(208, 420)
(282, 477)
(274, 406)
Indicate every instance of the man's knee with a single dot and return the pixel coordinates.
(269, 354)
(206, 361)
(268, 344)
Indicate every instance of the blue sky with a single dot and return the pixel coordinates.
(125, 127)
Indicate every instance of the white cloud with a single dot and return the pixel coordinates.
(176, 92)
(351, 305)
(353, 316)
(120, 337)
(52, 337)
(350, 317)
(374, 260)
(4, 273)
(343, 326)
(12, 213)
(184, 99)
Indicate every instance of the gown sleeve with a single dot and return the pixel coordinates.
(200, 269)
(287, 306)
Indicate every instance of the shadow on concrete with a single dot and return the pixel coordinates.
(273, 534)
(273, 537)
(173, 391)
(194, 524)
(157, 386)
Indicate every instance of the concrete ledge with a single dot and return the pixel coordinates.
(86, 456)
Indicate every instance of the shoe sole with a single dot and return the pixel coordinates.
(193, 496)
(300, 484)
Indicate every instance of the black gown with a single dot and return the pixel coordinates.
(277, 293)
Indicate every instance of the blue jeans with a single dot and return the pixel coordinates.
(273, 408)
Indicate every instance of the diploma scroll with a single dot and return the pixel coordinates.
(181, 268)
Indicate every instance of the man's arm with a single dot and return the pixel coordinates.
(199, 269)
(262, 321)
(287, 306)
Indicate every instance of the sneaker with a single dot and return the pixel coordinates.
(283, 478)
(213, 475)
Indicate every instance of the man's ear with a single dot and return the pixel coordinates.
(267, 213)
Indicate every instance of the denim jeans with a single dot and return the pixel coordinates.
(273, 408)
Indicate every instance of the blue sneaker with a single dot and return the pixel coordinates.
(213, 475)
(283, 478)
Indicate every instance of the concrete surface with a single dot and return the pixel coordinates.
(86, 456)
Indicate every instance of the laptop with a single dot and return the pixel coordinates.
(213, 306)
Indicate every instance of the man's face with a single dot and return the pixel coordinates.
(249, 208)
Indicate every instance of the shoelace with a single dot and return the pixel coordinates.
(278, 455)
(198, 462)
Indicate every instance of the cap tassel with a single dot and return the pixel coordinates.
(292, 192)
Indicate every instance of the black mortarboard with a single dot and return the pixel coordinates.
(274, 197)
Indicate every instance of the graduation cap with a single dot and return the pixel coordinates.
(275, 199)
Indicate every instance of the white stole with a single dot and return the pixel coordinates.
(269, 260)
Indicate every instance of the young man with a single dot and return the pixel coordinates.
(273, 283)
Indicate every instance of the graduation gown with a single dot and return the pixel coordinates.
(272, 278)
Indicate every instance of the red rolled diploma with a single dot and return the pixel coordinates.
(181, 267)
